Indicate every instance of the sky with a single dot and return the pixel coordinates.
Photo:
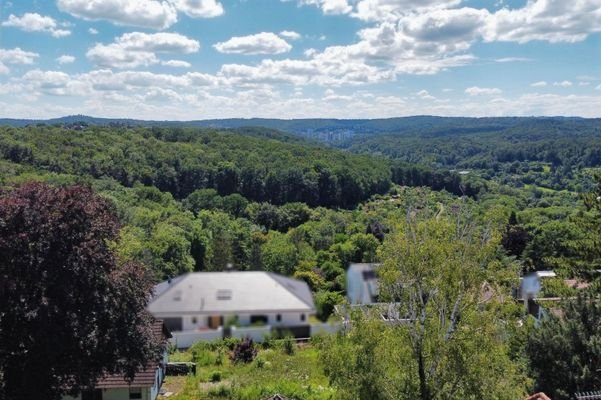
(205, 59)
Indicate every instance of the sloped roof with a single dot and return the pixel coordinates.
(232, 292)
(143, 378)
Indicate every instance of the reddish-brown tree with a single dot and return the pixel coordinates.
(69, 310)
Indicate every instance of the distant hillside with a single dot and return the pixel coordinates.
(325, 129)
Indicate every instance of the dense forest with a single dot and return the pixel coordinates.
(198, 199)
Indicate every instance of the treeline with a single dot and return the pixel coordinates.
(545, 152)
(259, 164)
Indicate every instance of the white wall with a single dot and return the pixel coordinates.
(188, 324)
(183, 340)
(256, 333)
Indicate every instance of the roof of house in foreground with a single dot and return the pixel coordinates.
(143, 378)
(231, 292)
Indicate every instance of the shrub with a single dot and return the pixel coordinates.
(221, 391)
(215, 376)
(259, 362)
(288, 345)
(245, 351)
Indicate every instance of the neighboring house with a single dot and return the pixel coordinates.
(204, 301)
(362, 283)
(532, 284)
(145, 385)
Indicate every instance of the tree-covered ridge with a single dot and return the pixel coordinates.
(544, 152)
(180, 161)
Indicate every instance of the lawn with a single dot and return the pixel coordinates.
(273, 371)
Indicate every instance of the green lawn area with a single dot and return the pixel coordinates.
(296, 376)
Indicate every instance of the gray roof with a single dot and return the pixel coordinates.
(231, 292)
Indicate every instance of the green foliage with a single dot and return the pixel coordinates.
(565, 352)
(288, 345)
(447, 342)
(325, 302)
(215, 376)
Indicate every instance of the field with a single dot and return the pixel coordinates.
(273, 371)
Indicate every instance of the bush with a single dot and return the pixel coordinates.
(245, 351)
(231, 342)
(259, 362)
(325, 302)
(221, 391)
(288, 345)
(215, 376)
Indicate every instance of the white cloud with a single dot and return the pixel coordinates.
(177, 64)
(512, 59)
(425, 95)
(33, 22)
(153, 14)
(93, 31)
(539, 84)
(548, 20)
(330, 6)
(584, 83)
(17, 56)
(140, 49)
(390, 10)
(65, 59)
(598, 87)
(199, 8)
(479, 91)
(3, 69)
(563, 84)
(290, 35)
(260, 43)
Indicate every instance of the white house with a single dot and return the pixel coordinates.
(531, 285)
(362, 283)
(208, 301)
(145, 385)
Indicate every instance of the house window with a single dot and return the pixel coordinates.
(194, 321)
(258, 319)
(302, 317)
(224, 294)
(135, 393)
(278, 317)
(95, 394)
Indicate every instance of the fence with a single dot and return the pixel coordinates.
(326, 328)
(183, 340)
(256, 333)
(595, 395)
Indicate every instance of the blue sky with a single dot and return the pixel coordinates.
(200, 59)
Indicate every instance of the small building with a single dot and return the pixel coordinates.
(531, 285)
(362, 283)
(210, 301)
(145, 385)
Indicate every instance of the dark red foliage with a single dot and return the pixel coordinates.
(69, 311)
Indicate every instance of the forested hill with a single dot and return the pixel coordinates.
(412, 125)
(250, 162)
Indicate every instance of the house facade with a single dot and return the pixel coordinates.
(145, 385)
(362, 283)
(211, 301)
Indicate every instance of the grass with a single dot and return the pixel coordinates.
(296, 376)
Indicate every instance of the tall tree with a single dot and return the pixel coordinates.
(444, 335)
(69, 310)
(565, 351)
